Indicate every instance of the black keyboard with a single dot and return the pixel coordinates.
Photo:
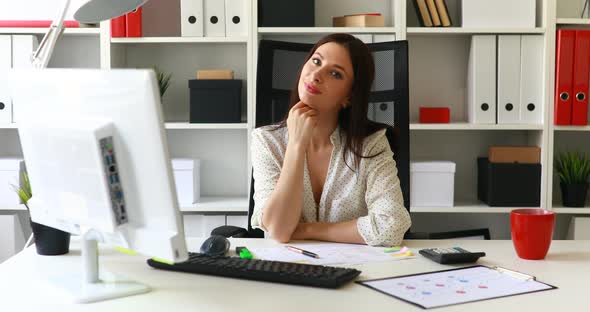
(263, 270)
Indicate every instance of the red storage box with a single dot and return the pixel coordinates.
(435, 115)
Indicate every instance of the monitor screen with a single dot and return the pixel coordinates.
(96, 153)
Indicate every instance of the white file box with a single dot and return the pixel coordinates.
(191, 18)
(214, 22)
(481, 80)
(23, 47)
(531, 79)
(236, 18)
(5, 52)
(508, 79)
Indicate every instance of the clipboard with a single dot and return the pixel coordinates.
(457, 286)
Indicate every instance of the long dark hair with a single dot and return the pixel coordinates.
(352, 119)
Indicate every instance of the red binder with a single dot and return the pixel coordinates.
(118, 27)
(134, 23)
(564, 65)
(581, 77)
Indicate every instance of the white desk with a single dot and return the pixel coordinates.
(567, 266)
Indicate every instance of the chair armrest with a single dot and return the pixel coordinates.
(230, 231)
(417, 235)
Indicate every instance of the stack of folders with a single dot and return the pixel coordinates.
(15, 52)
(432, 13)
(127, 25)
(213, 18)
(572, 72)
(504, 79)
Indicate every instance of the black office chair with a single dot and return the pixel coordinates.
(278, 65)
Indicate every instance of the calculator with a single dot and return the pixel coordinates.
(451, 255)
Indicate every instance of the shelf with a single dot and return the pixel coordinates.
(17, 208)
(42, 31)
(177, 126)
(219, 204)
(181, 40)
(571, 210)
(571, 128)
(468, 31)
(8, 126)
(214, 126)
(325, 30)
(463, 208)
(470, 126)
(573, 21)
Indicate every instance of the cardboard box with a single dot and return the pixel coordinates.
(359, 21)
(515, 154)
(215, 74)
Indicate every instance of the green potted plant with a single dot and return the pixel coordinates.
(573, 170)
(163, 80)
(48, 241)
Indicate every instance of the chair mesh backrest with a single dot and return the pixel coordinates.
(279, 63)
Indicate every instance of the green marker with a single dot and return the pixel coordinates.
(244, 253)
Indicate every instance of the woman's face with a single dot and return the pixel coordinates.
(326, 78)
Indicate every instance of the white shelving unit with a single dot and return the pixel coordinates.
(324, 30)
(219, 205)
(470, 126)
(91, 31)
(438, 70)
(471, 31)
(180, 40)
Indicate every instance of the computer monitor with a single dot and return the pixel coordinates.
(96, 154)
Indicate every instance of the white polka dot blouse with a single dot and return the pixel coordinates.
(372, 195)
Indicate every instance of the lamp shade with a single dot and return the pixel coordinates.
(94, 11)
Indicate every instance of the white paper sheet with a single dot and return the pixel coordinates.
(333, 254)
(436, 289)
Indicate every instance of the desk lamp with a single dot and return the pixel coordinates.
(89, 11)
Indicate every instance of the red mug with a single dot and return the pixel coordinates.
(532, 230)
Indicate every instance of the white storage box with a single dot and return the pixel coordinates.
(579, 228)
(186, 178)
(9, 174)
(498, 13)
(432, 183)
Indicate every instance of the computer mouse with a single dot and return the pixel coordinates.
(216, 245)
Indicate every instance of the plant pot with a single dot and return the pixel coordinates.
(574, 195)
(50, 241)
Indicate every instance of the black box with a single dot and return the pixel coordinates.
(286, 13)
(508, 184)
(215, 101)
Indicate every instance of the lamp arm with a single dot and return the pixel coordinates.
(41, 57)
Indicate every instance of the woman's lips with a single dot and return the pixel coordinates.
(311, 89)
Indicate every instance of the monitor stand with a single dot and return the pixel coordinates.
(88, 286)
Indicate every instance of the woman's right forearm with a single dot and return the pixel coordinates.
(283, 208)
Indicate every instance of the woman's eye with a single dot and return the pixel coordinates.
(316, 61)
(336, 74)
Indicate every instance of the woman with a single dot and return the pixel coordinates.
(326, 172)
